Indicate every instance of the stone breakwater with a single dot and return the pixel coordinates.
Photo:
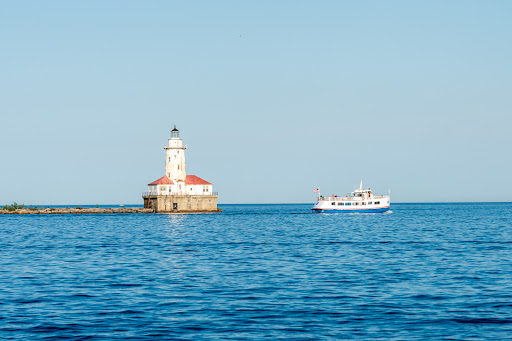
(75, 210)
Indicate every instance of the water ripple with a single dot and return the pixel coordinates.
(426, 271)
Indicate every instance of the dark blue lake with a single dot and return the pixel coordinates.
(422, 272)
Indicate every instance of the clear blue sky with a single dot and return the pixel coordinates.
(409, 95)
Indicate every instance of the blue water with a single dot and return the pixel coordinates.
(422, 272)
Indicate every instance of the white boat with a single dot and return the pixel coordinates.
(361, 200)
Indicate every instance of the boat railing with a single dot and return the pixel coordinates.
(145, 194)
(351, 198)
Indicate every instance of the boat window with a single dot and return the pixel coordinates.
(356, 203)
(340, 203)
(377, 202)
(333, 203)
(369, 202)
(363, 203)
(348, 204)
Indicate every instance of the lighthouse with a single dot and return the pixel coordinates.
(175, 157)
(176, 191)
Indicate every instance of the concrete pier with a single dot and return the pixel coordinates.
(181, 203)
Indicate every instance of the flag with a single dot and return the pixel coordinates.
(316, 190)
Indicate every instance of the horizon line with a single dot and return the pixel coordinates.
(282, 203)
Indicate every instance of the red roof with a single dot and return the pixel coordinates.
(164, 180)
(195, 180)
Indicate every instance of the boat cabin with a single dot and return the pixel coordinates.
(365, 193)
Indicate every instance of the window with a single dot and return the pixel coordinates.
(363, 203)
(377, 202)
(178, 166)
(369, 203)
(356, 203)
(190, 188)
(333, 203)
(340, 203)
(348, 203)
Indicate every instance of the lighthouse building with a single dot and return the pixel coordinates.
(176, 191)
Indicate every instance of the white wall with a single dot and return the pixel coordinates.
(199, 189)
(185, 189)
(175, 160)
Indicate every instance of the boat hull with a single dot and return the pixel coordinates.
(336, 210)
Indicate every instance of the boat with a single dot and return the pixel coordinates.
(361, 200)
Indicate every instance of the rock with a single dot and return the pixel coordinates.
(74, 210)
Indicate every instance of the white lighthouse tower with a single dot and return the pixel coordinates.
(176, 191)
(175, 157)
